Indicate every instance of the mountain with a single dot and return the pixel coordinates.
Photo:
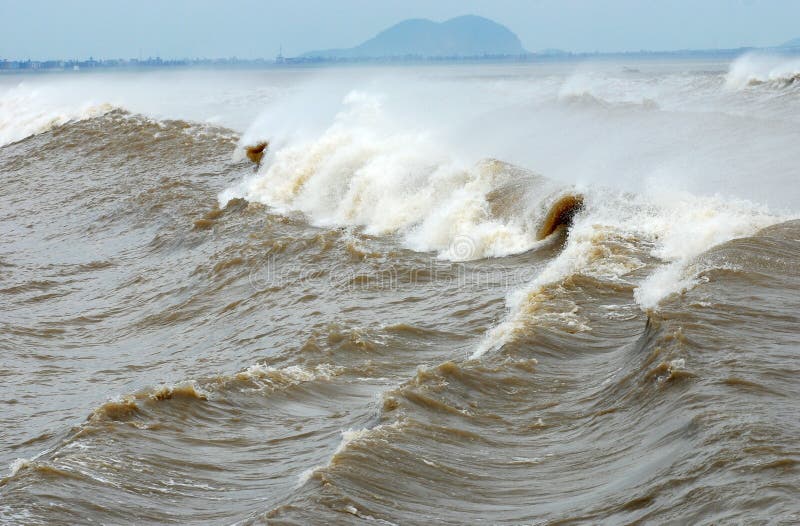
(464, 36)
(792, 43)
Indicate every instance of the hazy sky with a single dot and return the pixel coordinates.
(39, 29)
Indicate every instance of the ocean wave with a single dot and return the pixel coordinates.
(631, 320)
(274, 377)
(27, 111)
(33, 107)
(349, 438)
(256, 378)
(617, 235)
(366, 170)
(363, 171)
(754, 70)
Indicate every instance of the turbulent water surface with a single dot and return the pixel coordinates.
(375, 324)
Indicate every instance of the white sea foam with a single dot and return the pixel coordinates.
(759, 68)
(291, 375)
(678, 227)
(26, 111)
(348, 436)
(17, 465)
(364, 170)
(685, 227)
(32, 104)
(381, 165)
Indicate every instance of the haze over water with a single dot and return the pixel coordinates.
(375, 324)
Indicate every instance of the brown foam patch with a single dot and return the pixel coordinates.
(203, 224)
(256, 153)
(115, 410)
(188, 390)
(561, 213)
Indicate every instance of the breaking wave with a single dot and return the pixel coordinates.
(617, 236)
(754, 70)
(363, 171)
(26, 111)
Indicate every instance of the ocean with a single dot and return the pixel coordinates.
(552, 293)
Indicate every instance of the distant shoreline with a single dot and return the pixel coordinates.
(75, 66)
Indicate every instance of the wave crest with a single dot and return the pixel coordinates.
(365, 171)
(26, 111)
(755, 70)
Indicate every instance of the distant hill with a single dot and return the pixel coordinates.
(792, 43)
(464, 36)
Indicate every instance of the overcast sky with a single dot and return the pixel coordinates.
(39, 29)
